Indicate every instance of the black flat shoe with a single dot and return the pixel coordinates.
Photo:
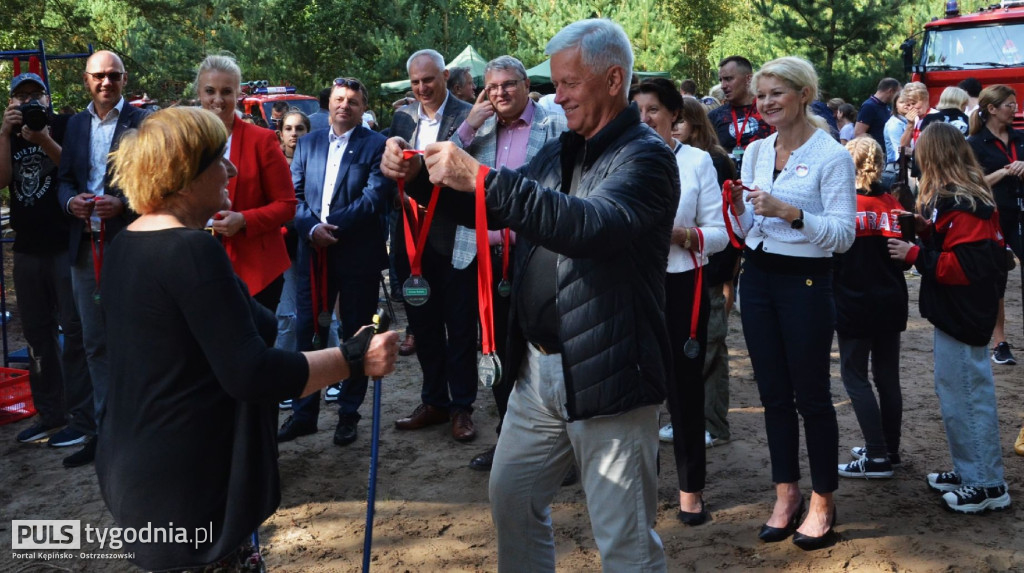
(827, 539)
(694, 518)
(770, 534)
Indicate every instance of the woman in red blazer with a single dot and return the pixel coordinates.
(262, 195)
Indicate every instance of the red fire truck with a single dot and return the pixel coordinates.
(987, 45)
(258, 99)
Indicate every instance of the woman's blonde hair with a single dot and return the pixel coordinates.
(868, 158)
(992, 95)
(166, 153)
(915, 91)
(953, 98)
(224, 63)
(798, 74)
(948, 169)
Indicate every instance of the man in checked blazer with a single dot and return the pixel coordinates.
(341, 220)
(504, 129)
(445, 327)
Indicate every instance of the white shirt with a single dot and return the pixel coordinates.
(427, 131)
(337, 144)
(101, 134)
(819, 178)
(700, 205)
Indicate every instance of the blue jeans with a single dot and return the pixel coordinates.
(286, 321)
(94, 327)
(967, 398)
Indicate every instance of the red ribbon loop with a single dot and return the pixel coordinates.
(410, 219)
(727, 211)
(699, 269)
(97, 250)
(483, 266)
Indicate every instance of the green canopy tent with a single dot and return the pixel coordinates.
(469, 58)
(540, 75)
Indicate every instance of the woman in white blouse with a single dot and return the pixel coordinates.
(798, 210)
(698, 231)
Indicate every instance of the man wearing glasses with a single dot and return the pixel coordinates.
(445, 325)
(504, 129)
(29, 155)
(341, 224)
(99, 212)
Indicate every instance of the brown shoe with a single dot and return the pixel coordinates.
(422, 417)
(408, 346)
(462, 426)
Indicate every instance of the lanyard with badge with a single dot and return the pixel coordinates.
(737, 152)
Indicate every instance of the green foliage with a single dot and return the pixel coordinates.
(306, 43)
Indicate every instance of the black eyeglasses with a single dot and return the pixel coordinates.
(113, 76)
(506, 87)
(350, 83)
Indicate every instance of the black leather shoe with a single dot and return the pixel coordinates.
(345, 433)
(483, 462)
(828, 539)
(694, 518)
(771, 534)
(291, 429)
(83, 456)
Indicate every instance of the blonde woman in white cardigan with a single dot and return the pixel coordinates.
(698, 231)
(799, 208)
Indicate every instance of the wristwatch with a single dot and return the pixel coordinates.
(798, 223)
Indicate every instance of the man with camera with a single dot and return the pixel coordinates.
(30, 150)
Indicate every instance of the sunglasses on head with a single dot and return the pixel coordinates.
(114, 76)
(350, 83)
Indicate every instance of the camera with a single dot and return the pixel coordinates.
(34, 115)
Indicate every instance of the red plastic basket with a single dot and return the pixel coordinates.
(15, 396)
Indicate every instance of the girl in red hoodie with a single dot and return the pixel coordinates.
(962, 262)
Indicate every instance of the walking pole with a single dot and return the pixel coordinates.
(381, 322)
(387, 298)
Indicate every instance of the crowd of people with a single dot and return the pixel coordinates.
(593, 243)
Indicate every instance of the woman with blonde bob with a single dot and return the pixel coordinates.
(188, 436)
(798, 209)
(961, 261)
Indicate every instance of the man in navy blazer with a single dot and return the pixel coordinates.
(342, 228)
(99, 210)
(445, 327)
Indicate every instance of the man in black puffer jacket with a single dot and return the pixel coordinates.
(588, 346)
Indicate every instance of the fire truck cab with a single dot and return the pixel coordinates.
(258, 99)
(987, 45)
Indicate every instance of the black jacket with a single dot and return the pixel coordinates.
(870, 289)
(612, 238)
(962, 262)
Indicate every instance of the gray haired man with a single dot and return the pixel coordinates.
(588, 345)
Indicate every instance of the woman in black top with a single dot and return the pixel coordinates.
(1000, 150)
(188, 436)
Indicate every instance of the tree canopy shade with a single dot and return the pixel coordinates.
(468, 58)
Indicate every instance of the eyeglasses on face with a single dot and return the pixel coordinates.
(112, 76)
(23, 98)
(505, 87)
(1010, 104)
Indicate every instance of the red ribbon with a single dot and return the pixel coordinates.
(483, 266)
(736, 123)
(699, 269)
(727, 210)
(97, 251)
(415, 248)
(318, 285)
(1011, 155)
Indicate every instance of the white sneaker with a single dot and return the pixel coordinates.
(332, 393)
(711, 441)
(665, 434)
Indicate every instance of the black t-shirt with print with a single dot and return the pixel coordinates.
(37, 218)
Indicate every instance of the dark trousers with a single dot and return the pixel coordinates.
(788, 321)
(501, 306)
(59, 378)
(356, 297)
(270, 296)
(446, 328)
(685, 392)
(880, 420)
